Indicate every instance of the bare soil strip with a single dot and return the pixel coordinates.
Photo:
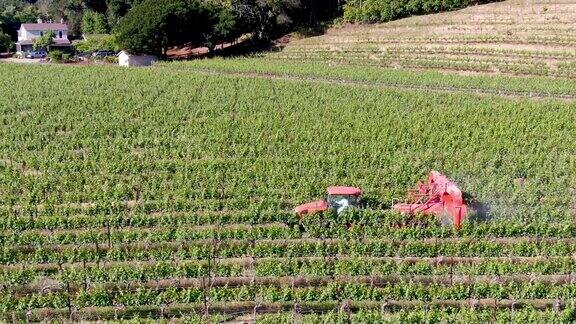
(297, 282)
(280, 242)
(253, 261)
(22, 167)
(235, 309)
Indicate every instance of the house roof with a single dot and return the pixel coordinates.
(57, 42)
(45, 26)
(124, 52)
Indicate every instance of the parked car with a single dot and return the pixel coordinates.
(82, 56)
(102, 54)
(36, 54)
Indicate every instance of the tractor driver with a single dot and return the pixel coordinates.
(342, 205)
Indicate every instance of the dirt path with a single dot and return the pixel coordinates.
(243, 309)
(252, 261)
(176, 245)
(298, 282)
(22, 167)
(24, 60)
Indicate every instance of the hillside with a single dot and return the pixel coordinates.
(513, 37)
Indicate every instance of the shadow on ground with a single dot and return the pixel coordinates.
(236, 49)
(478, 210)
(247, 47)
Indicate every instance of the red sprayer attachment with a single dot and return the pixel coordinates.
(440, 197)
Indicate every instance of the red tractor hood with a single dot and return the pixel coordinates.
(340, 190)
(311, 207)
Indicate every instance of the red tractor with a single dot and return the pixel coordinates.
(337, 198)
(439, 197)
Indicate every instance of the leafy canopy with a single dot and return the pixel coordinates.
(98, 42)
(5, 42)
(94, 23)
(153, 26)
(44, 41)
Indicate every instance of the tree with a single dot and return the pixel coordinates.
(219, 24)
(97, 42)
(13, 13)
(94, 23)
(264, 18)
(69, 10)
(155, 25)
(27, 14)
(312, 12)
(96, 5)
(146, 27)
(44, 41)
(5, 42)
(115, 10)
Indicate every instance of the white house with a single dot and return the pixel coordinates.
(127, 59)
(28, 32)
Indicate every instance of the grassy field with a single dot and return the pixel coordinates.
(167, 192)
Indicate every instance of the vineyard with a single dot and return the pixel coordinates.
(509, 37)
(167, 193)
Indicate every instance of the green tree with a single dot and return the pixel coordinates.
(44, 41)
(69, 10)
(13, 13)
(5, 42)
(94, 23)
(116, 9)
(264, 18)
(96, 5)
(219, 22)
(155, 25)
(98, 42)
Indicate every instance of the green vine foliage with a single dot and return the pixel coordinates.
(169, 192)
(385, 10)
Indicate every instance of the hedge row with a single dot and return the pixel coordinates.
(387, 10)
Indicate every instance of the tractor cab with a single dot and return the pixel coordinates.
(341, 198)
(337, 198)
